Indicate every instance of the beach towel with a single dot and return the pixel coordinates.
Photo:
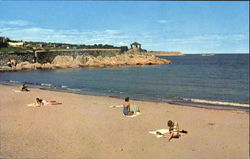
(18, 91)
(160, 132)
(133, 107)
(134, 115)
(33, 105)
(116, 106)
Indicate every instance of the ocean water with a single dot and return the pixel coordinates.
(210, 81)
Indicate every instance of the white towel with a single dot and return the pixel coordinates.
(162, 131)
(116, 106)
(18, 91)
(134, 115)
(33, 105)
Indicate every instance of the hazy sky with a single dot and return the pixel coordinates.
(190, 27)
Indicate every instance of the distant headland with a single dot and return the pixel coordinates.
(167, 53)
(22, 55)
(208, 55)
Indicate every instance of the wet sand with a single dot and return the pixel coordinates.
(85, 126)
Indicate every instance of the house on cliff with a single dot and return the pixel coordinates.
(16, 44)
(135, 45)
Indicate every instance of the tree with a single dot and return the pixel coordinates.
(4, 42)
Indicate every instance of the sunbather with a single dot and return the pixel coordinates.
(23, 88)
(126, 107)
(130, 110)
(174, 131)
(43, 102)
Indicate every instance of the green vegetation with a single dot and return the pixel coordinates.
(31, 45)
(59, 46)
(3, 42)
(12, 49)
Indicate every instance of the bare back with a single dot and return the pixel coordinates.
(126, 104)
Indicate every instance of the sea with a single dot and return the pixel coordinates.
(220, 81)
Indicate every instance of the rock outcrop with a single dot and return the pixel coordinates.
(91, 61)
(118, 60)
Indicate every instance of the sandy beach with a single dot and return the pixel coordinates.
(85, 126)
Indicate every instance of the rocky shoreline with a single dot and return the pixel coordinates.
(68, 61)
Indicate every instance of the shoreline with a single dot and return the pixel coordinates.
(79, 68)
(85, 126)
(179, 103)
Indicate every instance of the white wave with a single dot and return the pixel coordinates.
(46, 84)
(216, 102)
(63, 86)
(13, 81)
(74, 90)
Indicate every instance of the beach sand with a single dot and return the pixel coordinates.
(85, 126)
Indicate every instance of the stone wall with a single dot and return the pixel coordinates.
(19, 57)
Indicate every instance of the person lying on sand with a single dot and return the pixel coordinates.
(43, 102)
(127, 109)
(23, 88)
(174, 131)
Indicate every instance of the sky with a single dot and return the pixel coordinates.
(191, 27)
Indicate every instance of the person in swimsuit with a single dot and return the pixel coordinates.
(44, 102)
(174, 131)
(23, 88)
(126, 107)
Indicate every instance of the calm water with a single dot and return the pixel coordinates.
(223, 78)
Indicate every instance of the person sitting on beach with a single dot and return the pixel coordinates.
(126, 107)
(43, 102)
(174, 131)
(23, 88)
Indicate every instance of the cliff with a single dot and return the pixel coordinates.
(77, 61)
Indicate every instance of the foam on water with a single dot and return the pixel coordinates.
(73, 89)
(46, 84)
(216, 102)
(14, 81)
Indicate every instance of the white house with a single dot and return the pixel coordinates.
(16, 44)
